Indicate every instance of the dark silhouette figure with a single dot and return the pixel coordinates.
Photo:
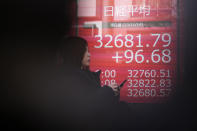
(97, 106)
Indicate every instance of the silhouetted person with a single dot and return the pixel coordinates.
(98, 106)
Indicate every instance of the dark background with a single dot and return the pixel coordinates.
(30, 33)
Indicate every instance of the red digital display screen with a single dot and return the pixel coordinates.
(134, 40)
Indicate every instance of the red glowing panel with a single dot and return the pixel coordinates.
(134, 40)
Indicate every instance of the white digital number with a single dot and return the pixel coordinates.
(139, 58)
(166, 38)
(129, 39)
(118, 42)
(166, 58)
(110, 73)
(139, 41)
(99, 41)
(142, 93)
(110, 40)
(129, 55)
(155, 57)
(109, 82)
(157, 39)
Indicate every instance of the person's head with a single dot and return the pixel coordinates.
(74, 51)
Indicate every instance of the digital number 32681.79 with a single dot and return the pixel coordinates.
(128, 40)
